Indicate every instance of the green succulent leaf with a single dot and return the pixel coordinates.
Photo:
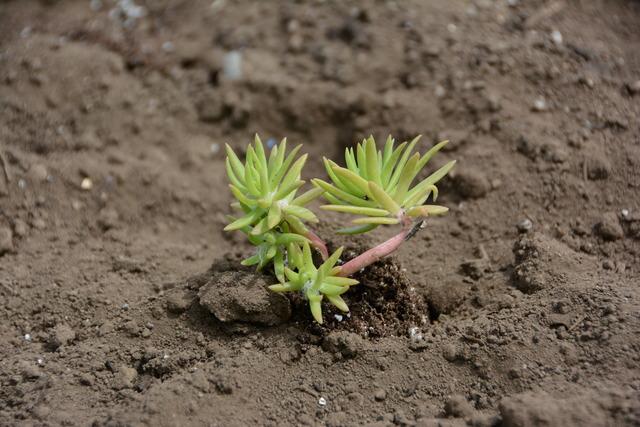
(378, 184)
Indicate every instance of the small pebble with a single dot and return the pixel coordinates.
(556, 36)
(6, 240)
(27, 337)
(322, 401)
(539, 105)
(524, 225)
(214, 148)
(232, 65)
(380, 395)
(86, 184)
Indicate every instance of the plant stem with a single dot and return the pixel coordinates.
(318, 243)
(382, 250)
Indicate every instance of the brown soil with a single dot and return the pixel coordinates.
(519, 308)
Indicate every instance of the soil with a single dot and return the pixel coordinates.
(520, 307)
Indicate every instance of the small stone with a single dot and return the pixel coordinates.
(20, 228)
(61, 335)
(458, 406)
(609, 227)
(179, 300)
(343, 344)
(598, 168)
(6, 240)
(38, 173)
(380, 395)
(539, 105)
(450, 352)
(524, 226)
(125, 378)
(322, 401)
(108, 218)
(556, 36)
(634, 87)
(472, 184)
(86, 184)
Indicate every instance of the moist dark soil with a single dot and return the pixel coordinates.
(118, 303)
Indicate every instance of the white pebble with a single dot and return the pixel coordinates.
(452, 28)
(524, 225)
(40, 361)
(539, 105)
(625, 212)
(214, 148)
(322, 401)
(556, 36)
(168, 47)
(232, 67)
(86, 184)
(338, 317)
(27, 337)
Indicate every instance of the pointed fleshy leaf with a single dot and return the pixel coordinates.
(282, 287)
(388, 167)
(332, 290)
(418, 198)
(295, 255)
(286, 238)
(252, 260)
(406, 177)
(286, 190)
(261, 227)
(383, 199)
(338, 302)
(291, 275)
(301, 212)
(432, 179)
(427, 210)
(278, 266)
(357, 180)
(238, 194)
(373, 168)
(429, 154)
(340, 281)
(358, 229)
(403, 160)
(350, 160)
(277, 177)
(376, 220)
(349, 198)
(357, 210)
(388, 150)
(307, 197)
(316, 307)
(341, 183)
(243, 222)
(232, 175)
(235, 162)
(275, 215)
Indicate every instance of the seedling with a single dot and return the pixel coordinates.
(376, 185)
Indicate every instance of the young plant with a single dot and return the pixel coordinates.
(376, 185)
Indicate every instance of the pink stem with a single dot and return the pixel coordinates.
(318, 243)
(374, 254)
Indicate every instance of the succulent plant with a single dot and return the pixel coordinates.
(314, 283)
(377, 185)
(265, 191)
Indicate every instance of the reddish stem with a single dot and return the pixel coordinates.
(318, 243)
(374, 254)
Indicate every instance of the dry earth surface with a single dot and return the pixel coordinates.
(118, 306)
